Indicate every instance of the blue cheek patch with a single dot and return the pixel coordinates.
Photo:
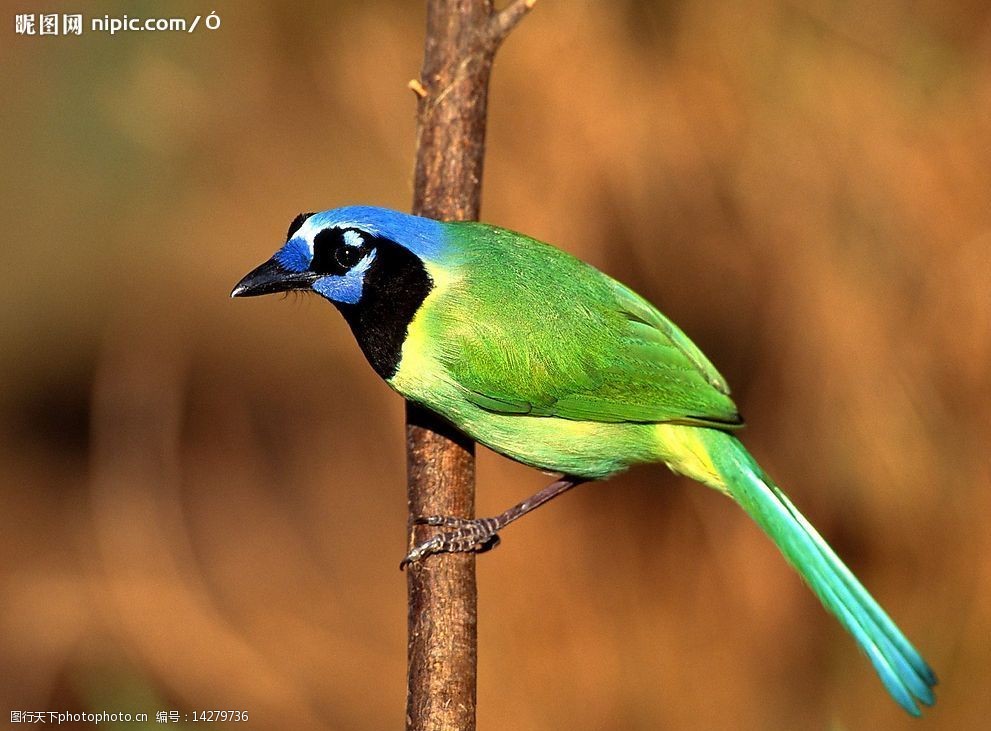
(295, 255)
(345, 289)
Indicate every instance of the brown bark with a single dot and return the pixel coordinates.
(461, 40)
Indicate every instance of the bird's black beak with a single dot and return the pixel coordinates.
(271, 277)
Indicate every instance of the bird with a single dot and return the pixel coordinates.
(543, 358)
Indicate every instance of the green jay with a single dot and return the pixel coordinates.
(546, 360)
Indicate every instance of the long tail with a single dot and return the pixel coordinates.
(720, 460)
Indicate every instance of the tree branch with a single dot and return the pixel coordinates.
(508, 18)
(461, 41)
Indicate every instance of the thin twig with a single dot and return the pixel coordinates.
(416, 87)
(508, 18)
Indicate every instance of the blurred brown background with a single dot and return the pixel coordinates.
(203, 499)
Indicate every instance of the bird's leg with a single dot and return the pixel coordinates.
(480, 534)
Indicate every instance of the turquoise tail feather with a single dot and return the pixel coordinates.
(902, 670)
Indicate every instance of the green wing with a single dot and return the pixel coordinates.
(529, 329)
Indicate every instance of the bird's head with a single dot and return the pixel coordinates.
(376, 265)
(343, 253)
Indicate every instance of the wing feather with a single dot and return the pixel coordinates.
(529, 329)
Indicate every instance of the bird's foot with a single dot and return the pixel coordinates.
(480, 534)
(467, 536)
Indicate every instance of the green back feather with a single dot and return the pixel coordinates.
(526, 328)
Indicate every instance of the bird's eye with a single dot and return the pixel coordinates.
(347, 256)
(336, 251)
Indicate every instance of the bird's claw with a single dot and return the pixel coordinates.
(468, 536)
(447, 521)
